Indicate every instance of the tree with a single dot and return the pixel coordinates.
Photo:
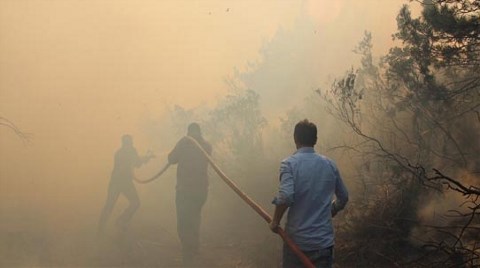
(414, 114)
(234, 126)
(237, 123)
(10, 125)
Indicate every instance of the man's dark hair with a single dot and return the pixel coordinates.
(127, 140)
(194, 130)
(305, 133)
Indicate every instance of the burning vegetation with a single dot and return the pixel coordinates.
(404, 129)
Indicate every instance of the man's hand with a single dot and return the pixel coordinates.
(334, 209)
(277, 217)
(274, 226)
(334, 213)
(149, 156)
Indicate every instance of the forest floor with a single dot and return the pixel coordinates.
(147, 247)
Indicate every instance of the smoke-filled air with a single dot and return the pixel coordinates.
(306, 133)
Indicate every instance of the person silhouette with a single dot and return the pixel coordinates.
(308, 184)
(191, 188)
(121, 182)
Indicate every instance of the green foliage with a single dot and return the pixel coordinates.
(419, 108)
(445, 36)
(181, 118)
(234, 126)
(238, 122)
(455, 30)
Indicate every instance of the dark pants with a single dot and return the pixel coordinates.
(321, 258)
(114, 191)
(189, 207)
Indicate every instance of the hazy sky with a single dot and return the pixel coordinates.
(79, 74)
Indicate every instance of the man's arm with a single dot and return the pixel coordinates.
(208, 148)
(277, 217)
(341, 193)
(138, 161)
(285, 196)
(174, 155)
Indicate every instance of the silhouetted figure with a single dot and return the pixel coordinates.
(191, 189)
(126, 159)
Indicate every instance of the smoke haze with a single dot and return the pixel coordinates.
(78, 75)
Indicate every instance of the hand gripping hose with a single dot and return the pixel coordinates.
(306, 262)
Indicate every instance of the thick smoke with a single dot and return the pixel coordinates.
(83, 79)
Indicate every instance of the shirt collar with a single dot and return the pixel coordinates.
(305, 150)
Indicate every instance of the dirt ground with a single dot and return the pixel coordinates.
(26, 241)
(134, 248)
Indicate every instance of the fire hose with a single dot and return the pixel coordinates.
(290, 243)
(154, 177)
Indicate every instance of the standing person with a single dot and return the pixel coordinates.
(308, 182)
(191, 189)
(121, 182)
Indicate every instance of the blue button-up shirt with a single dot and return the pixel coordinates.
(308, 182)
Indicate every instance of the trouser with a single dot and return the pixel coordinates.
(114, 191)
(189, 206)
(321, 258)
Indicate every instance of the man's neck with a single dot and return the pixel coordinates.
(299, 146)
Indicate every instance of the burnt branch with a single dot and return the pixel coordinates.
(26, 137)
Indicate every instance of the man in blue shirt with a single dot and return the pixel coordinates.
(308, 183)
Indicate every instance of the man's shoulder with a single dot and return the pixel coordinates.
(207, 145)
(323, 157)
(318, 157)
(292, 159)
(184, 141)
(289, 158)
(328, 160)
